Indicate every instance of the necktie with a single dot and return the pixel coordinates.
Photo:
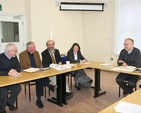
(52, 58)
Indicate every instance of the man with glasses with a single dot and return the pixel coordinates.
(129, 56)
(52, 55)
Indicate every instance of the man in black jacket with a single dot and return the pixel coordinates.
(52, 55)
(9, 66)
(129, 56)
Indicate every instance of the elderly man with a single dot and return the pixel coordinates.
(129, 56)
(9, 66)
(52, 55)
(30, 58)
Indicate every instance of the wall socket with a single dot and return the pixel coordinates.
(111, 58)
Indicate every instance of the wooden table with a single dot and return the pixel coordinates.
(61, 79)
(134, 98)
(98, 68)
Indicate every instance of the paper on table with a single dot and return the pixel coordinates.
(84, 62)
(31, 70)
(126, 69)
(57, 67)
(106, 64)
(125, 107)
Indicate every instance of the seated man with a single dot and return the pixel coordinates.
(9, 66)
(129, 56)
(52, 55)
(30, 58)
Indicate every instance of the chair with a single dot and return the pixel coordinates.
(64, 59)
(126, 83)
(16, 99)
(31, 83)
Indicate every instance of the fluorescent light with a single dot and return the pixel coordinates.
(81, 6)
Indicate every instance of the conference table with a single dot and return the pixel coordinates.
(134, 98)
(61, 79)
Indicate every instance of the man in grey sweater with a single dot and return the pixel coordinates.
(129, 56)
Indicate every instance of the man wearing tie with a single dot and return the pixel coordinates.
(52, 55)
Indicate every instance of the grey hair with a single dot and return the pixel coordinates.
(29, 44)
(9, 46)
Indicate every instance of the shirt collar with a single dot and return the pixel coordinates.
(7, 56)
(130, 51)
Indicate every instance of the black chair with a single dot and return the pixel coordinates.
(29, 85)
(126, 83)
(69, 75)
(16, 99)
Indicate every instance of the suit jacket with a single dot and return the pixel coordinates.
(46, 58)
(25, 60)
(70, 56)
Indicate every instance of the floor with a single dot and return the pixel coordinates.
(82, 102)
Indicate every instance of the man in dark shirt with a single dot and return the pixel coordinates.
(9, 66)
(129, 56)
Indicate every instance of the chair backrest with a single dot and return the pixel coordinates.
(63, 58)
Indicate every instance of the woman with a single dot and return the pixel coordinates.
(74, 56)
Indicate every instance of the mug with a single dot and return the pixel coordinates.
(68, 62)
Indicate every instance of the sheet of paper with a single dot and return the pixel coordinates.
(106, 64)
(31, 70)
(57, 67)
(125, 69)
(85, 63)
(125, 107)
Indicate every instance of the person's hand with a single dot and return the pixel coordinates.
(12, 72)
(123, 63)
(60, 63)
(83, 61)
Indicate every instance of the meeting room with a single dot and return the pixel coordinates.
(70, 56)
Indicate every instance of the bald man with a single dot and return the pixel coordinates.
(47, 60)
(129, 56)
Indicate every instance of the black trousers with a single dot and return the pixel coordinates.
(40, 83)
(131, 79)
(4, 91)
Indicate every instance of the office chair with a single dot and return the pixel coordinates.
(64, 59)
(31, 83)
(126, 83)
(16, 99)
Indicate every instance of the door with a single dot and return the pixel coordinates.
(12, 30)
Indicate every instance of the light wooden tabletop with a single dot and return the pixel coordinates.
(9, 80)
(134, 98)
(25, 76)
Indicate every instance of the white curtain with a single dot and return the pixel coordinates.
(128, 23)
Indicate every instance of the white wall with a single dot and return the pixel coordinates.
(92, 30)
(98, 31)
(66, 26)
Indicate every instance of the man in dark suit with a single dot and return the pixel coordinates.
(9, 66)
(52, 55)
(30, 58)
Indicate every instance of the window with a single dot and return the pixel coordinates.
(128, 23)
(10, 32)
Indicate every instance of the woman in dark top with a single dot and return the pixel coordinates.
(74, 56)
